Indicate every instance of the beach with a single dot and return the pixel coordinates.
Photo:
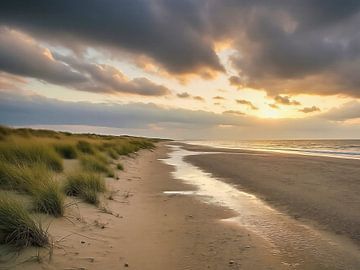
(321, 189)
(143, 228)
(156, 221)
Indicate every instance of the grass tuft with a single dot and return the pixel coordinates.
(85, 185)
(17, 227)
(96, 163)
(113, 154)
(67, 151)
(37, 181)
(85, 147)
(120, 167)
(48, 198)
(90, 196)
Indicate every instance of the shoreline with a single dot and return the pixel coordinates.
(321, 190)
(209, 148)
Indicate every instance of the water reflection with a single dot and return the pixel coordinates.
(302, 246)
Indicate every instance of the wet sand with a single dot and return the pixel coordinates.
(321, 190)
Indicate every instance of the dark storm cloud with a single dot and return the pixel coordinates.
(307, 46)
(171, 32)
(22, 56)
(37, 110)
(108, 79)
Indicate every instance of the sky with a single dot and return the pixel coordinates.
(190, 69)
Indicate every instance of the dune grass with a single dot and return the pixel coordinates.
(30, 153)
(85, 185)
(67, 151)
(112, 153)
(48, 198)
(29, 160)
(22, 177)
(85, 147)
(96, 163)
(37, 181)
(17, 228)
(120, 167)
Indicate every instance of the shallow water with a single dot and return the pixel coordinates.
(300, 246)
(349, 149)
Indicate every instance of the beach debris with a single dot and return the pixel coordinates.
(231, 262)
(126, 265)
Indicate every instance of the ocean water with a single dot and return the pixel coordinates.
(331, 148)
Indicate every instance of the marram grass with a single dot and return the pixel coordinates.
(48, 198)
(17, 228)
(85, 185)
(67, 151)
(96, 163)
(30, 153)
(37, 181)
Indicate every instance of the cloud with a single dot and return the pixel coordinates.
(199, 98)
(247, 103)
(152, 120)
(22, 56)
(172, 33)
(183, 95)
(283, 47)
(347, 111)
(310, 109)
(235, 81)
(273, 105)
(37, 110)
(219, 98)
(187, 95)
(285, 100)
(233, 112)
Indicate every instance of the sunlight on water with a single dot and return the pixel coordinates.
(303, 246)
(330, 148)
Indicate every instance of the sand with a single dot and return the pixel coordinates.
(321, 189)
(145, 229)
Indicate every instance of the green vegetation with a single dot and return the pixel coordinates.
(17, 227)
(32, 167)
(96, 163)
(29, 153)
(48, 198)
(85, 185)
(37, 181)
(120, 167)
(85, 147)
(112, 153)
(67, 151)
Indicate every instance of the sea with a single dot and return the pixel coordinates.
(349, 149)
